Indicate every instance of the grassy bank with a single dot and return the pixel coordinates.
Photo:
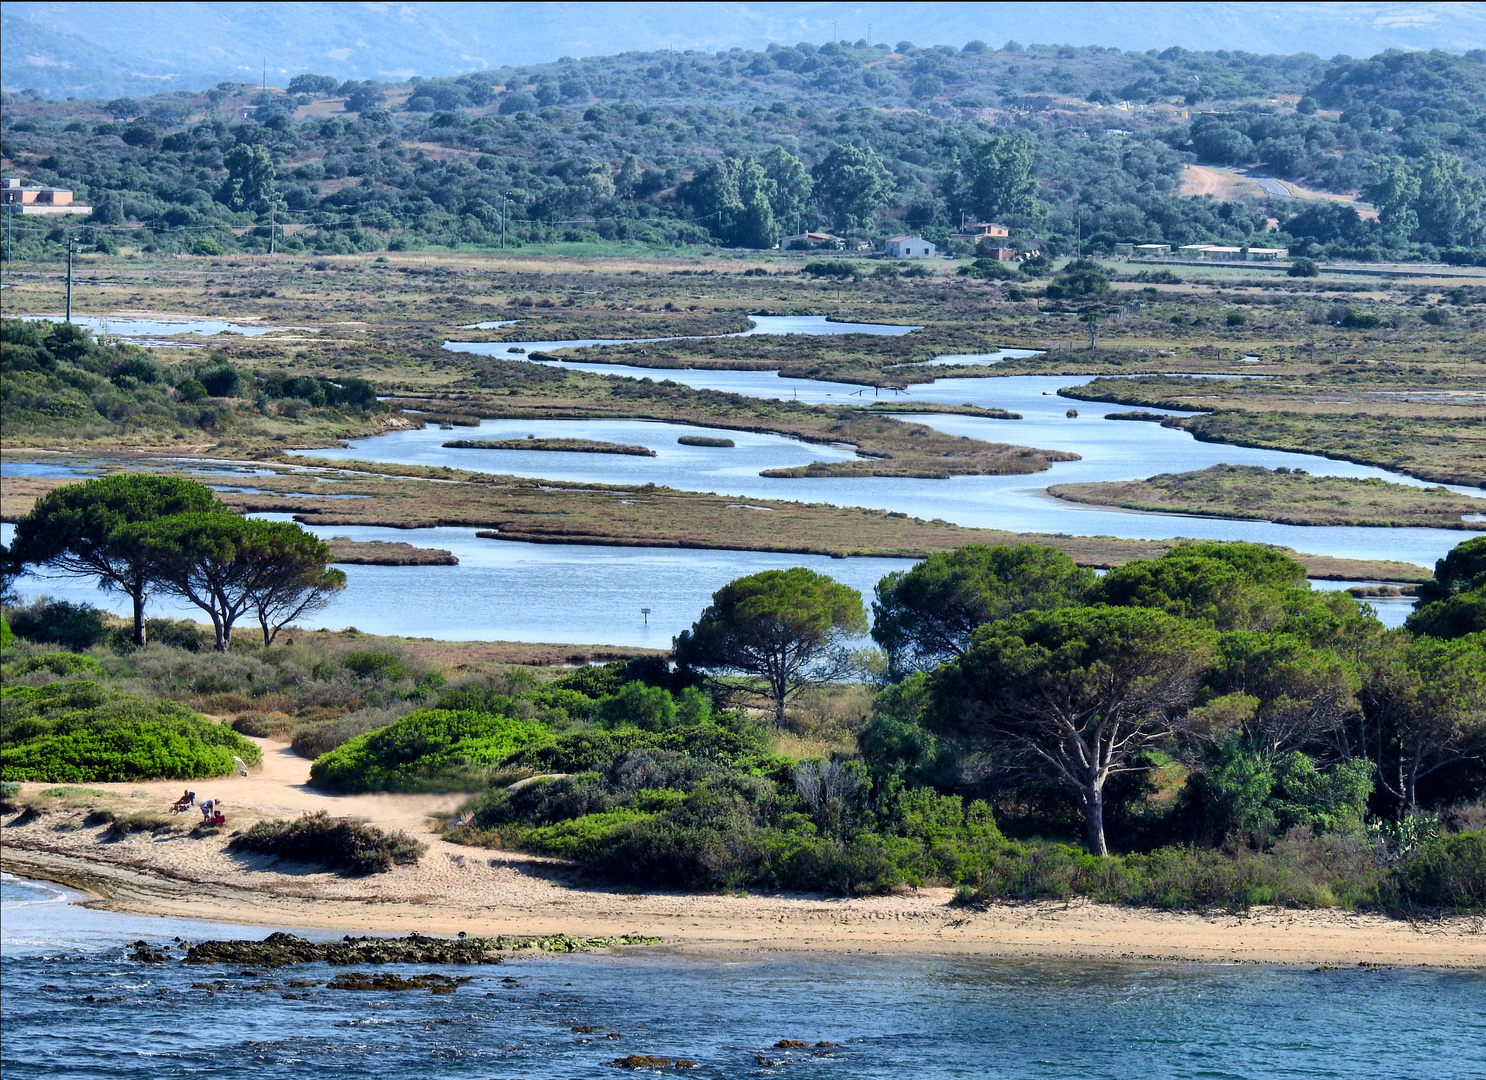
(1289, 497)
(576, 446)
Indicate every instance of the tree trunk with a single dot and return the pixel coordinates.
(779, 715)
(221, 632)
(1094, 821)
(139, 632)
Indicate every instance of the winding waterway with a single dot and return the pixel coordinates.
(595, 594)
(74, 1007)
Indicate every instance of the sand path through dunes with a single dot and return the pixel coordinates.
(486, 891)
(280, 788)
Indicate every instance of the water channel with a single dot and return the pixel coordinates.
(594, 594)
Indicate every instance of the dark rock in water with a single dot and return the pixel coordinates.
(791, 1044)
(142, 953)
(651, 1061)
(281, 949)
(385, 980)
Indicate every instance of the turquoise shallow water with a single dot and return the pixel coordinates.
(892, 1016)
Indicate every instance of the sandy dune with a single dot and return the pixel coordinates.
(483, 891)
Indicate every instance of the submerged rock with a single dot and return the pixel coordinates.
(386, 980)
(281, 949)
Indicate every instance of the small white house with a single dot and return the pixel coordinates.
(909, 247)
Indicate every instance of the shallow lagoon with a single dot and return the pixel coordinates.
(1109, 450)
(894, 1017)
(514, 591)
(762, 324)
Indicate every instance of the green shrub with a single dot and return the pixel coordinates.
(379, 666)
(342, 845)
(649, 708)
(832, 268)
(429, 750)
(1447, 872)
(664, 814)
(175, 633)
(73, 626)
(315, 739)
(581, 838)
(58, 663)
(9, 789)
(71, 732)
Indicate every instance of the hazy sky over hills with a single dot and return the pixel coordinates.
(106, 49)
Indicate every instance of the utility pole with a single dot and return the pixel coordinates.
(272, 211)
(70, 244)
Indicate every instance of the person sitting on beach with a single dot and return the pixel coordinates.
(185, 802)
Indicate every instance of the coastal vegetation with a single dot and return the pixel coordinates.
(76, 730)
(348, 846)
(1217, 733)
(1288, 496)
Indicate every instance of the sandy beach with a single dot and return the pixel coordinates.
(484, 891)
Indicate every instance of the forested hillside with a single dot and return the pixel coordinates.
(743, 147)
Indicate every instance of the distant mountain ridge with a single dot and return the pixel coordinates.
(104, 50)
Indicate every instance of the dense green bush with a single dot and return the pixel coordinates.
(429, 750)
(1447, 872)
(57, 663)
(665, 815)
(382, 667)
(71, 732)
(343, 845)
(73, 626)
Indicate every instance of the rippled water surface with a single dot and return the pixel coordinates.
(511, 591)
(893, 1017)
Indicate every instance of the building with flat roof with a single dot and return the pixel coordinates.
(19, 198)
(980, 230)
(909, 247)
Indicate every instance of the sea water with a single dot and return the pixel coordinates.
(75, 1007)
